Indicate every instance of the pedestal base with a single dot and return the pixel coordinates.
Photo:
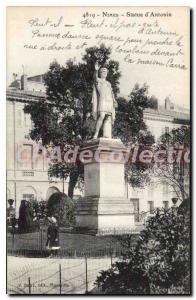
(105, 215)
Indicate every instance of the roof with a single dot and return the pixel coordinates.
(169, 113)
(26, 95)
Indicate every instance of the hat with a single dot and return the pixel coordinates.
(52, 220)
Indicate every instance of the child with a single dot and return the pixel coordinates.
(52, 243)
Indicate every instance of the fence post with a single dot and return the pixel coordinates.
(13, 237)
(41, 237)
(111, 257)
(86, 273)
(60, 283)
(114, 252)
(29, 284)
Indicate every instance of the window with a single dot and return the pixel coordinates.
(28, 193)
(151, 190)
(167, 130)
(25, 160)
(135, 203)
(38, 158)
(165, 188)
(28, 173)
(18, 118)
(166, 204)
(167, 134)
(151, 207)
(27, 120)
(28, 197)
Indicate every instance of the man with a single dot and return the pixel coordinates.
(104, 103)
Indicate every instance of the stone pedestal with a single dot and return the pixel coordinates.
(104, 208)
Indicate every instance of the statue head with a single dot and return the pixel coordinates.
(103, 72)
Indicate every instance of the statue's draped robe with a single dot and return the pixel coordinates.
(103, 98)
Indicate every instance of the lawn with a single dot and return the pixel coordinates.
(72, 244)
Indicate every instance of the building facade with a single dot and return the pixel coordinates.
(28, 179)
(159, 194)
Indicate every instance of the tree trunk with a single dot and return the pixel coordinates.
(72, 182)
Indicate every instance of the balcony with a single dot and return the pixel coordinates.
(28, 173)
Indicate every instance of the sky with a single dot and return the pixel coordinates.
(162, 81)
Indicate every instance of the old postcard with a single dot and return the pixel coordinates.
(98, 150)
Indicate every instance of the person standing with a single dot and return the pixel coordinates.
(52, 243)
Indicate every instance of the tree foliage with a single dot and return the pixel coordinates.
(177, 137)
(132, 130)
(129, 124)
(174, 173)
(160, 262)
(62, 208)
(65, 117)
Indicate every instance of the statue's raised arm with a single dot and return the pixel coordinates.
(96, 71)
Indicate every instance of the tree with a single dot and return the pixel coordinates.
(175, 172)
(132, 130)
(153, 102)
(62, 208)
(65, 117)
(165, 247)
(123, 279)
(39, 210)
(160, 261)
(129, 121)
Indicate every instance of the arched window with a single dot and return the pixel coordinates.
(29, 193)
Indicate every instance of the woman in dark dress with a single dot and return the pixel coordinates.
(52, 243)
